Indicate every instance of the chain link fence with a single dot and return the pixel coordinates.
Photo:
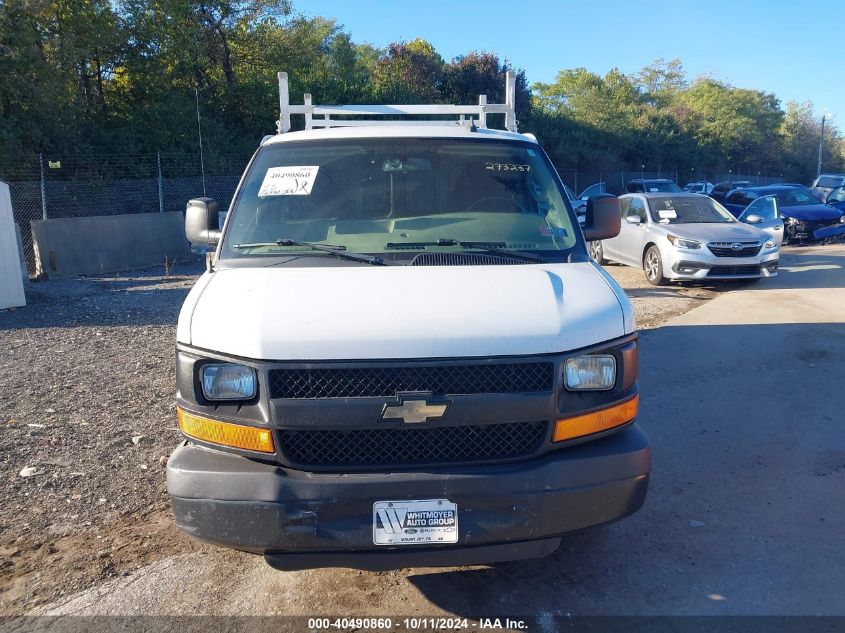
(59, 186)
(580, 179)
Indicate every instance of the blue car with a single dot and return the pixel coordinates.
(805, 218)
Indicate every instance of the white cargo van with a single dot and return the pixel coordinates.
(401, 353)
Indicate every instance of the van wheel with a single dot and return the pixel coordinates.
(597, 252)
(653, 266)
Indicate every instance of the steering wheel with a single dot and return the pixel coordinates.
(510, 201)
(301, 209)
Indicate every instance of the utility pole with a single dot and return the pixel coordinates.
(199, 135)
(821, 148)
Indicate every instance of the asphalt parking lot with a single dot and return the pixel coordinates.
(739, 396)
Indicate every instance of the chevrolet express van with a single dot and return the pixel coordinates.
(401, 353)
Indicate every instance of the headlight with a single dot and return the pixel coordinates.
(769, 244)
(595, 372)
(226, 381)
(683, 243)
(842, 219)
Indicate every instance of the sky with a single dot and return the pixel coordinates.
(794, 49)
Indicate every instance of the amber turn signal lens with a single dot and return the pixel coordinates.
(597, 421)
(226, 434)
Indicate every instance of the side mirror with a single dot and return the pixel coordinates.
(201, 222)
(753, 219)
(603, 218)
(634, 219)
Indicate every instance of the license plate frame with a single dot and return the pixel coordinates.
(415, 522)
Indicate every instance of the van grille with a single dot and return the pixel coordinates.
(324, 449)
(379, 382)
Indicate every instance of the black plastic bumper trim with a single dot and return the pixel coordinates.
(416, 557)
(236, 502)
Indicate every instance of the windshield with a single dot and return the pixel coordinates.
(663, 186)
(837, 195)
(594, 190)
(398, 195)
(689, 210)
(792, 197)
(829, 182)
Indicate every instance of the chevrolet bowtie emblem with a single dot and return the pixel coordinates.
(414, 410)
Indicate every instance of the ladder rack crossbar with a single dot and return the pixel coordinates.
(323, 123)
(475, 114)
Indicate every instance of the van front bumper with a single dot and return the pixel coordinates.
(300, 520)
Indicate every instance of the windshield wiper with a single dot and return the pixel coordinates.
(330, 249)
(496, 248)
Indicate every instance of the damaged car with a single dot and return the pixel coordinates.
(805, 218)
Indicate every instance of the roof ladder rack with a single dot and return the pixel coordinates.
(472, 115)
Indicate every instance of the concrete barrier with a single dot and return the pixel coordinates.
(68, 247)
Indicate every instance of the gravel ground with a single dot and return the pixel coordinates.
(87, 409)
(86, 400)
(656, 305)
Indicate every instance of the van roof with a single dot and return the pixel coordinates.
(447, 130)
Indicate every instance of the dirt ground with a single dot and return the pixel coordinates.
(88, 416)
(656, 305)
(86, 400)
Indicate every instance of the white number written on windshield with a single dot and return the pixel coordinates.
(506, 166)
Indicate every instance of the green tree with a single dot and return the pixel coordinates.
(57, 59)
(610, 106)
(800, 133)
(661, 81)
(408, 72)
(483, 73)
(737, 125)
(120, 76)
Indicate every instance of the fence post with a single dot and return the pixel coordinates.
(160, 187)
(43, 188)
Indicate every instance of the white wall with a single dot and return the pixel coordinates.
(11, 282)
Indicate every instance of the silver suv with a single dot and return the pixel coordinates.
(825, 183)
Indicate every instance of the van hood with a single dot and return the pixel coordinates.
(350, 313)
